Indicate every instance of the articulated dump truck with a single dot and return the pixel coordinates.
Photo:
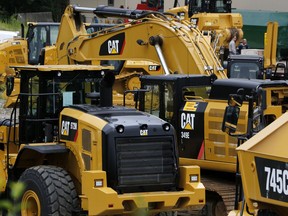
(263, 166)
(262, 162)
(75, 153)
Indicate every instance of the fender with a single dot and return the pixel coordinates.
(45, 149)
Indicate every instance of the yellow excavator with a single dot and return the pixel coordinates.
(151, 36)
(263, 186)
(195, 106)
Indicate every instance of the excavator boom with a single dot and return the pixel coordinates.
(150, 36)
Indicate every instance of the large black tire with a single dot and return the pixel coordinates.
(49, 191)
(214, 207)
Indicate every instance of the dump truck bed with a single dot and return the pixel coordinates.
(263, 163)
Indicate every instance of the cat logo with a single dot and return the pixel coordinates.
(153, 67)
(143, 132)
(69, 128)
(65, 128)
(113, 46)
(187, 121)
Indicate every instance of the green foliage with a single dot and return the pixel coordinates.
(11, 24)
(13, 7)
(11, 205)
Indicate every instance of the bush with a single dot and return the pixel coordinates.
(11, 205)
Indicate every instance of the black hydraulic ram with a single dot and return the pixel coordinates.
(106, 11)
(103, 11)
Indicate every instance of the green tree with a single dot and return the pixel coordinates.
(12, 7)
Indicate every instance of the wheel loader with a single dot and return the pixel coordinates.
(23, 51)
(76, 153)
(195, 106)
(262, 159)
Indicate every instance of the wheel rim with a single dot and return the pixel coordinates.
(30, 205)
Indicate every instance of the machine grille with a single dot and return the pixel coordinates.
(146, 161)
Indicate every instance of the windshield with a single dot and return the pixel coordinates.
(42, 35)
(160, 100)
(217, 6)
(244, 70)
(55, 94)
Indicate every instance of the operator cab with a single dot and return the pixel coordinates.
(216, 6)
(165, 95)
(245, 66)
(38, 36)
(252, 67)
(46, 90)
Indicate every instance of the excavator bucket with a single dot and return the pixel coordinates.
(263, 163)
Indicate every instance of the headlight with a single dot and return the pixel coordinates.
(120, 128)
(194, 178)
(166, 127)
(98, 182)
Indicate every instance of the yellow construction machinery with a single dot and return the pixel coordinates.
(23, 51)
(76, 153)
(27, 50)
(259, 64)
(215, 20)
(151, 36)
(195, 106)
(262, 162)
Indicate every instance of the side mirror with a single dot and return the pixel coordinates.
(230, 120)
(232, 111)
(9, 85)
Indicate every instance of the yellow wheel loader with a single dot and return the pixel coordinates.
(75, 153)
(23, 51)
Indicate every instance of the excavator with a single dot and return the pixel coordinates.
(171, 45)
(160, 49)
(261, 166)
(195, 106)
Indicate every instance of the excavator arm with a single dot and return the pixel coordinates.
(150, 36)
